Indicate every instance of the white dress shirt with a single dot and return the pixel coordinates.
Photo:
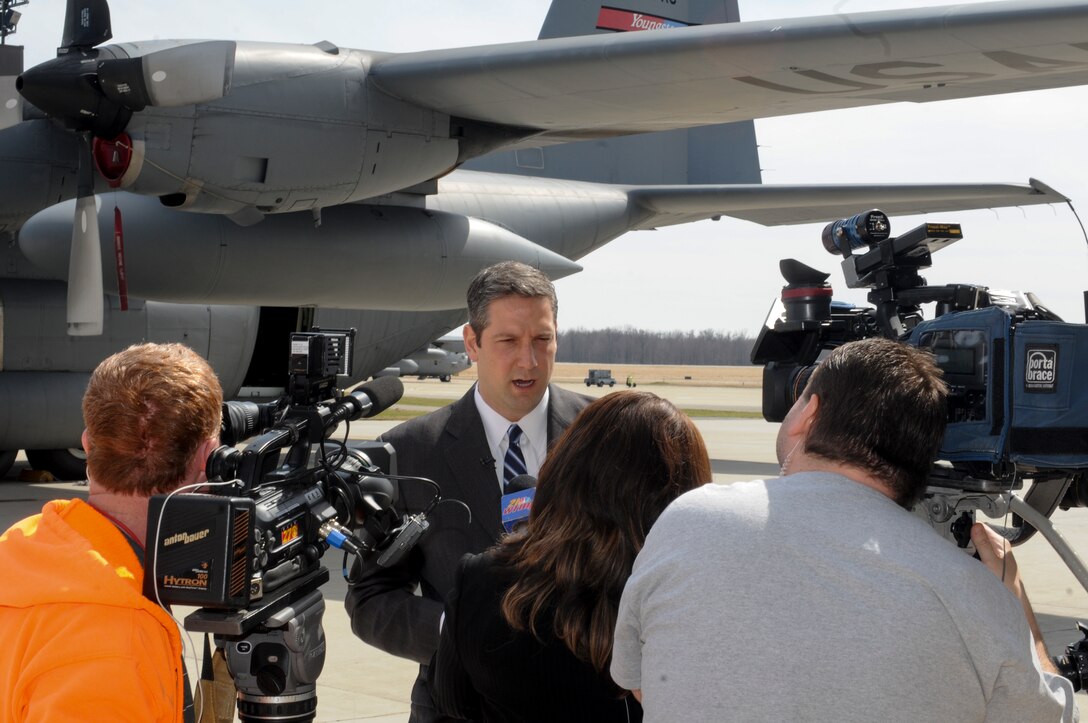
(534, 437)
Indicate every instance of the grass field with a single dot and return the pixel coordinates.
(645, 377)
(648, 374)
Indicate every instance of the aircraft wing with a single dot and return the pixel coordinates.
(779, 205)
(633, 82)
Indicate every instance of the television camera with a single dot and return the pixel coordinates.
(1017, 377)
(249, 554)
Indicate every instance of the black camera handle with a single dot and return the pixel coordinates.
(897, 308)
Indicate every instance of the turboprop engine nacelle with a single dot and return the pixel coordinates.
(357, 258)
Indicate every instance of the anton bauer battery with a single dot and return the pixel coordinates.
(201, 553)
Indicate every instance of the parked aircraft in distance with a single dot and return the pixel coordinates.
(453, 341)
(432, 362)
(262, 188)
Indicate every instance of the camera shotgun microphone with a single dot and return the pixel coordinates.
(378, 395)
(368, 400)
(517, 502)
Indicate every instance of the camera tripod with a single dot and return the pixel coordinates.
(275, 652)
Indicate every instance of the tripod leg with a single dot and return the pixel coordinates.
(1046, 528)
(216, 695)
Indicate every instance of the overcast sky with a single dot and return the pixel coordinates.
(723, 275)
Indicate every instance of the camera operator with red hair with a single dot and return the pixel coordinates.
(80, 639)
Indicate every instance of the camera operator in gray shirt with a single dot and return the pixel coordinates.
(818, 595)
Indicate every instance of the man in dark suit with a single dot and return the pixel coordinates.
(471, 448)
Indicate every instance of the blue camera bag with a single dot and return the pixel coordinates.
(1031, 382)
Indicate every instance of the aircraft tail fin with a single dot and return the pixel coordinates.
(718, 154)
(570, 18)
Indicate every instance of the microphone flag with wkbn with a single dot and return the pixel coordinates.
(517, 503)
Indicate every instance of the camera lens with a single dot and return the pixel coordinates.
(782, 386)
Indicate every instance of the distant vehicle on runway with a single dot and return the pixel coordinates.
(600, 377)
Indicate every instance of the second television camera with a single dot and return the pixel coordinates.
(1017, 374)
(1017, 377)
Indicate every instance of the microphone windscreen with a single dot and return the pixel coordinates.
(383, 393)
(521, 482)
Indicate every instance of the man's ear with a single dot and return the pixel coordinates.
(808, 414)
(200, 458)
(85, 440)
(471, 342)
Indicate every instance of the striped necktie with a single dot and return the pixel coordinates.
(514, 463)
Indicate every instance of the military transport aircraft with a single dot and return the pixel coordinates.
(259, 188)
(430, 362)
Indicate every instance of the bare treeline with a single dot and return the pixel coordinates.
(639, 346)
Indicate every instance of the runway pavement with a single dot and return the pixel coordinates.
(360, 683)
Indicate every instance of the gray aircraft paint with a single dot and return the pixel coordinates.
(723, 153)
(44, 375)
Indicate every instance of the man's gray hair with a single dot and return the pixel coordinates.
(507, 278)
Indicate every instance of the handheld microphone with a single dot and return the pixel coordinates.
(517, 502)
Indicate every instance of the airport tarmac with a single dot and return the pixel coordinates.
(361, 683)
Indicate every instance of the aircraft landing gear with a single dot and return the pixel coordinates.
(65, 464)
(7, 458)
(444, 378)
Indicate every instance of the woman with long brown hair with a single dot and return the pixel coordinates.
(528, 629)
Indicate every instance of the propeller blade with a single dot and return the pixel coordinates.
(184, 75)
(86, 24)
(85, 304)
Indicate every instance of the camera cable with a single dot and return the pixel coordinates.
(188, 647)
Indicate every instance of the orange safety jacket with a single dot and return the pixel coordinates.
(80, 641)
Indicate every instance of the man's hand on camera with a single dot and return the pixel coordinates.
(995, 553)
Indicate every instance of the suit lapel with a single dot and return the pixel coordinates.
(465, 451)
(561, 412)
(468, 455)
